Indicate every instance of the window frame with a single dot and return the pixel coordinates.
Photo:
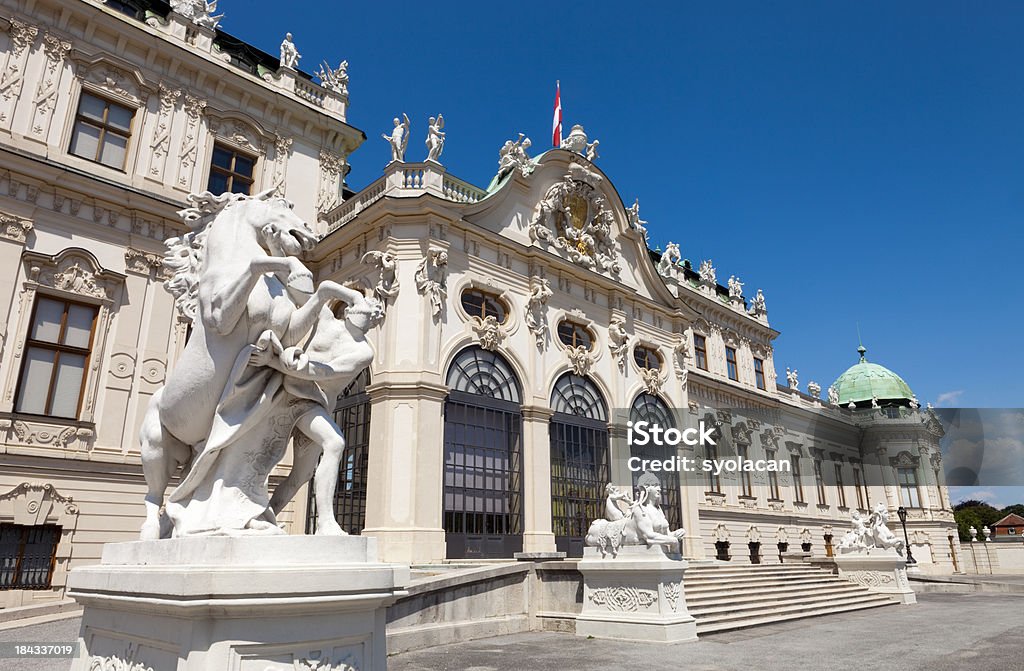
(839, 485)
(231, 174)
(819, 480)
(700, 351)
(59, 349)
(774, 493)
(746, 483)
(798, 486)
(577, 326)
(714, 481)
(104, 127)
(862, 492)
(732, 367)
(486, 296)
(907, 487)
(649, 353)
(759, 379)
(25, 530)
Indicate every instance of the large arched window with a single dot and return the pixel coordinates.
(579, 460)
(352, 415)
(483, 506)
(650, 408)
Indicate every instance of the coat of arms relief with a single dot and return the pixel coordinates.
(573, 216)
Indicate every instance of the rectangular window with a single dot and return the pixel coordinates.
(700, 351)
(798, 485)
(730, 363)
(748, 489)
(714, 484)
(908, 488)
(230, 171)
(101, 131)
(27, 555)
(56, 358)
(839, 486)
(759, 373)
(820, 480)
(773, 479)
(862, 492)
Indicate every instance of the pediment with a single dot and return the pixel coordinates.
(567, 207)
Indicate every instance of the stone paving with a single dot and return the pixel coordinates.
(943, 632)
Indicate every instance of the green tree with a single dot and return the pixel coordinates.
(974, 513)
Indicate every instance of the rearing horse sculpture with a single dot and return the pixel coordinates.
(236, 274)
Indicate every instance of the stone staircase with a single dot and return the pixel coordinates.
(722, 597)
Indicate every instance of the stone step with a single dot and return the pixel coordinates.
(751, 571)
(777, 593)
(753, 602)
(753, 583)
(711, 625)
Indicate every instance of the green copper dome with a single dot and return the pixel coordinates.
(864, 381)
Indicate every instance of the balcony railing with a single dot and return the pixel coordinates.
(405, 180)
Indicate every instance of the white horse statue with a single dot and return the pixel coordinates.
(237, 276)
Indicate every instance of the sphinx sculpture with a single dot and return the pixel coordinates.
(642, 523)
(267, 355)
(870, 534)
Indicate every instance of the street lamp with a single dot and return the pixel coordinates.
(902, 513)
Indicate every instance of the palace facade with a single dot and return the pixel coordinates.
(526, 322)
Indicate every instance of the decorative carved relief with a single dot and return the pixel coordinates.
(112, 80)
(74, 271)
(329, 193)
(673, 592)
(22, 36)
(282, 150)
(618, 340)
(488, 331)
(574, 217)
(623, 599)
(652, 379)
(580, 359)
(32, 503)
(45, 98)
(536, 309)
(387, 284)
(432, 278)
(193, 108)
(124, 661)
(161, 142)
(140, 262)
(14, 228)
(238, 133)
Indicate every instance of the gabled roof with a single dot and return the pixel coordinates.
(1013, 519)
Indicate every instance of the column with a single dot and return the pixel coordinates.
(537, 533)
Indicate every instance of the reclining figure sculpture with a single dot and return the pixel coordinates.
(642, 523)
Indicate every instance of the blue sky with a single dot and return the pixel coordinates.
(860, 162)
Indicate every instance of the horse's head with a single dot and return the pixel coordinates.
(365, 313)
(281, 231)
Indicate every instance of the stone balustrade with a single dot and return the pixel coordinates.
(406, 180)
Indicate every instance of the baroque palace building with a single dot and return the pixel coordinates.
(526, 322)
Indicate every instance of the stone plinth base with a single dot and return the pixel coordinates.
(636, 596)
(279, 603)
(795, 557)
(881, 571)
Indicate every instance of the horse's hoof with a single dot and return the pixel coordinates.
(330, 530)
(150, 531)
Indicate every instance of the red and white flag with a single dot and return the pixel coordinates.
(556, 121)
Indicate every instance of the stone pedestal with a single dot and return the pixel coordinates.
(636, 596)
(279, 603)
(881, 571)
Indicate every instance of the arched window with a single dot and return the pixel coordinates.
(352, 415)
(483, 304)
(482, 457)
(577, 396)
(579, 460)
(651, 409)
(483, 373)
